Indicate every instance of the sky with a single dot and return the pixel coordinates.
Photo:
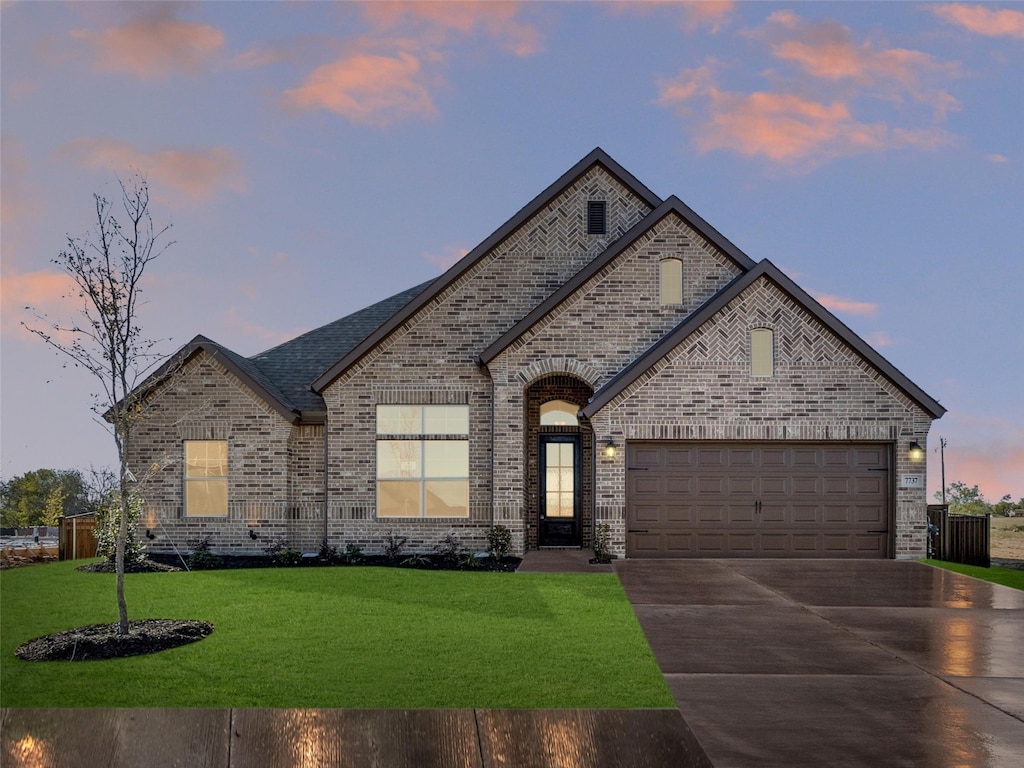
(314, 157)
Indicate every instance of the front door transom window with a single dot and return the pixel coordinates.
(559, 413)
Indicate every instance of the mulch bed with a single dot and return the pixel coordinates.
(101, 641)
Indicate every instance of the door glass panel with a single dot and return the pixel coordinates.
(560, 477)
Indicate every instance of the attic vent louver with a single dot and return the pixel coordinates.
(596, 220)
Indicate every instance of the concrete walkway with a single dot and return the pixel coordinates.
(837, 663)
(560, 561)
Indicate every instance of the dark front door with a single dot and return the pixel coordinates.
(559, 491)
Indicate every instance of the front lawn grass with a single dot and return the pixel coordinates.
(338, 637)
(1008, 577)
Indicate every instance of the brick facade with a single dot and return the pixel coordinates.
(304, 481)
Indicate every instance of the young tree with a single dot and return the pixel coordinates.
(107, 267)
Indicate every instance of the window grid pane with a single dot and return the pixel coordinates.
(426, 477)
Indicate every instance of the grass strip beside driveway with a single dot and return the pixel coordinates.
(338, 637)
(1008, 577)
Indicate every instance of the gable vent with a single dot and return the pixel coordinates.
(596, 219)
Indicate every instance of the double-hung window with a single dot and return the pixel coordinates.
(206, 478)
(423, 461)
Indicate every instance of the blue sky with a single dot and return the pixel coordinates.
(315, 157)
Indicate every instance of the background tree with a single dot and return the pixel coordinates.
(41, 496)
(964, 500)
(107, 267)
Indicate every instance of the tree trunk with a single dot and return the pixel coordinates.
(122, 535)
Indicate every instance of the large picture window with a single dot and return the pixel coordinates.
(422, 461)
(206, 478)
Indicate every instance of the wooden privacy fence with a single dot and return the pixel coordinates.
(77, 538)
(959, 538)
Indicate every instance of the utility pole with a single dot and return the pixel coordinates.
(942, 458)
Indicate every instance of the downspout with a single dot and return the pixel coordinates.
(326, 484)
(487, 372)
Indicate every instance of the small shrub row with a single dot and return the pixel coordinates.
(449, 554)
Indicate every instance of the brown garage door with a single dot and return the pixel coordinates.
(757, 500)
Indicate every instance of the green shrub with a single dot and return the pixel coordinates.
(450, 550)
(201, 558)
(499, 541)
(353, 554)
(283, 554)
(602, 543)
(393, 546)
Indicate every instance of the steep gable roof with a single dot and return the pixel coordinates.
(280, 376)
(673, 205)
(245, 370)
(621, 381)
(597, 157)
(294, 364)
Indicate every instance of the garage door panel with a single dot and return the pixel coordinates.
(758, 500)
(711, 486)
(711, 457)
(742, 485)
(774, 485)
(867, 514)
(837, 486)
(775, 457)
(712, 513)
(645, 484)
(806, 458)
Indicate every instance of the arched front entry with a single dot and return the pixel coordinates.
(559, 463)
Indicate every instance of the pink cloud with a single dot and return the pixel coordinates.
(986, 451)
(787, 128)
(982, 20)
(25, 296)
(367, 88)
(233, 321)
(712, 14)
(153, 44)
(197, 173)
(19, 197)
(847, 306)
(827, 50)
(879, 339)
(448, 256)
(497, 20)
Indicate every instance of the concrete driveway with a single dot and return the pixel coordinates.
(838, 663)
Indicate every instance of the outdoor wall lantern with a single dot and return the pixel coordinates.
(916, 452)
(150, 535)
(253, 535)
(609, 449)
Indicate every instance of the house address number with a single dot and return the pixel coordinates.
(912, 481)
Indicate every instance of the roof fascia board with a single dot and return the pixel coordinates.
(719, 301)
(596, 157)
(672, 205)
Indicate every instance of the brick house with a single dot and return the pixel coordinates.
(605, 356)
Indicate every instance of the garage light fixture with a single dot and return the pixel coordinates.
(916, 452)
(609, 449)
